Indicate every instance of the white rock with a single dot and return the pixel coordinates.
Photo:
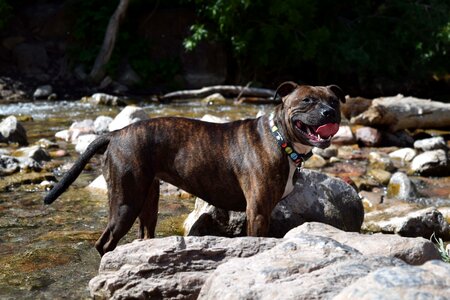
(431, 163)
(433, 143)
(99, 184)
(63, 135)
(213, 119)
(101, 124)
(43, 92)
(401, 187)
(344, 136)
(84, 141)
(129, 115)
(405, 154)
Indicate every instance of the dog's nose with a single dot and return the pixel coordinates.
(327, 112)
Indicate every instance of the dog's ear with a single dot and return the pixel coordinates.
(338, 92)
(285, 89)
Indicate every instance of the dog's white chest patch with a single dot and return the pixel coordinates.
(290, 184)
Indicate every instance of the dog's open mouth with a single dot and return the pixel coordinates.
(319, 133)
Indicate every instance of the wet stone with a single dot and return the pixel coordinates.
(368, 136)
(101, 124)
(380, 176)
(315, 162)
(103, 99)
(404, 219)
(431, 163)
(433, 143)
(84, 141)
(404, 155)
(327, 152)
(344, 136)
(36, 153)
(127, 116)
(12, 131)
(19, 179)
(43, 92)
(379, 161)
(401, 187)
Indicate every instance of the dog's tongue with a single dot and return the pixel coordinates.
(327, 130)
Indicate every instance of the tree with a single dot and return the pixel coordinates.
(98, 70)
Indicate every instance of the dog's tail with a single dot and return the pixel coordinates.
(76, 169)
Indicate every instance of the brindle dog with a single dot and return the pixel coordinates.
(243, 165)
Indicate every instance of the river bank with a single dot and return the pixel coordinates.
(46, 248)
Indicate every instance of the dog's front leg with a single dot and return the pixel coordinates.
(257, 219)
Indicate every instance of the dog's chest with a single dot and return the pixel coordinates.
(289, 187)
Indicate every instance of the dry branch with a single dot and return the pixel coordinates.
(225, 90)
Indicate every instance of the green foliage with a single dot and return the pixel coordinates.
(335, 39)
(439, 243)
(5, 12)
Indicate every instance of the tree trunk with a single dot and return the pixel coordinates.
(98, 71)
(396, 113)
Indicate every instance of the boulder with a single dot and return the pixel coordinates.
(12, 131)
(414, 251)
(433, 143)
(304, 267)
(320, 198)
(429, 281)
(407, 220)
(314, 260)
(172, 267)
(431, 163)
(129, 115)
(207, 219)
(316, 197)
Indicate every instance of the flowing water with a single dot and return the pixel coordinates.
(46, 252)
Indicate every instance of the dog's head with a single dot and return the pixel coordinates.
(311, 115)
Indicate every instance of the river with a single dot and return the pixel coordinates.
(46, 252)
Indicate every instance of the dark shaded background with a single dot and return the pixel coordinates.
(370, 48)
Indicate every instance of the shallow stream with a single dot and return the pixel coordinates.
(46, 252)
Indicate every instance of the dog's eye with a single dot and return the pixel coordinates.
(307, 100)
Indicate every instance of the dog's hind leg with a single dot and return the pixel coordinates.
(149, 212)
(127, 191)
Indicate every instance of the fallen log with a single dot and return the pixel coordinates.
(225, 90)
(399, 112)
